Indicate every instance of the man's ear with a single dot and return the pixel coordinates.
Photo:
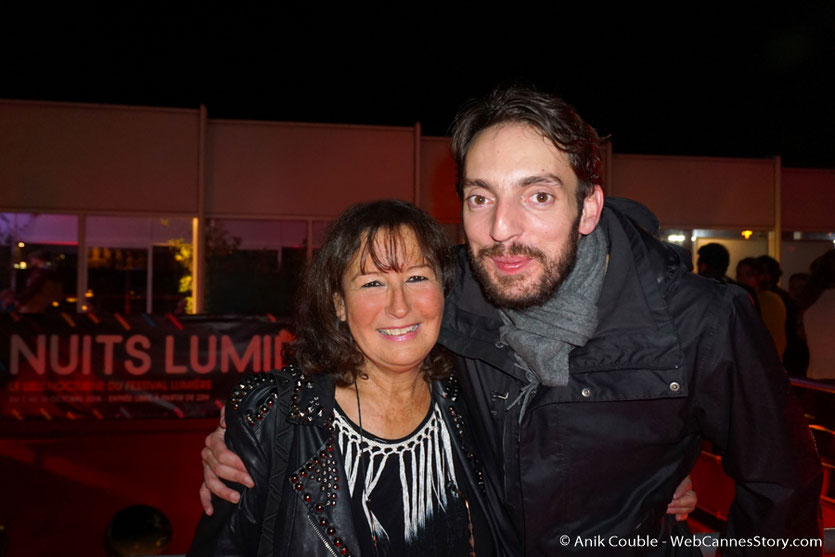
(339, 306)
(592, 207)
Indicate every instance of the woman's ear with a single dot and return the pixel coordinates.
(339, 307)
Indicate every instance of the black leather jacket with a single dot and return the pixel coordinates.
(280, 424)
(676, 359)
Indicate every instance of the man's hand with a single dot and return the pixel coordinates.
(219, 462)
(684, 500)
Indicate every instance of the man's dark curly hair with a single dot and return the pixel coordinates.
(548, 114)
(323, 343)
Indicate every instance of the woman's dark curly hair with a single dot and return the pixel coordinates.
(323, 343)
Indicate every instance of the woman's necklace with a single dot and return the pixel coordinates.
(451, 485)
(362, 469)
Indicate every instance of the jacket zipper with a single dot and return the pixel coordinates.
(321, 537)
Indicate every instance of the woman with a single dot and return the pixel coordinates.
(361, 448)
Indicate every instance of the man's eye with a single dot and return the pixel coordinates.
(477, 200)
(542, 197)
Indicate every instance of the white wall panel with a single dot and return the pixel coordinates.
(698, 192)
(808, 199)
(90, 157)
(437, 173)
(261, 168)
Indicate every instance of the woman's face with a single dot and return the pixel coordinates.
(394, 316)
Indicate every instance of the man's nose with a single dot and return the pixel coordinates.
(506, 223)
(398, 303)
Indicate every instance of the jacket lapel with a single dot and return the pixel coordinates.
(320, 481)
(321, 485)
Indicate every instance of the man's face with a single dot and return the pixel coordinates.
(520, 214)
(748, 275)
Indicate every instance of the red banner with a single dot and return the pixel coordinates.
(62, 366)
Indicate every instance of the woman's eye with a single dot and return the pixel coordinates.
(417, 278)
(372, 284)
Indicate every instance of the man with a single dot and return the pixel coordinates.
(713, 262)
(816, 295)
(751, 272)
(594, 362)
(796, 355)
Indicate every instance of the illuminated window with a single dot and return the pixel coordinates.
(38, 261)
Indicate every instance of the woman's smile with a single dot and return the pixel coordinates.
(400, 333)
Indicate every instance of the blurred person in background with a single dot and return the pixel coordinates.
(713, 262)
(751, 272)
(796, 353)
(816, 294)
(137, 531)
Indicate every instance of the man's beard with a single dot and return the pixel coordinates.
(496, 286)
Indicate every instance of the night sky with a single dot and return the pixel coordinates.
(702, 80)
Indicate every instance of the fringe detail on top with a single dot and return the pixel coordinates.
(422, 483)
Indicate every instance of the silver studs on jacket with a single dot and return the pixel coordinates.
(320, 474)
(247, 384)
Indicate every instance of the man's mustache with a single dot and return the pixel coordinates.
(499, 250)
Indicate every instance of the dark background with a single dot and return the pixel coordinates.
(706, 79)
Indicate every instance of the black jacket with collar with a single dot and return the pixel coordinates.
(676, 359)
(281, 425)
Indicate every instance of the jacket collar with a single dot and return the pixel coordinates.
(634, 329)
(313, 399)
(319, 482)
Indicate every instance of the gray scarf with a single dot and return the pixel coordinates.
(542, 337)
